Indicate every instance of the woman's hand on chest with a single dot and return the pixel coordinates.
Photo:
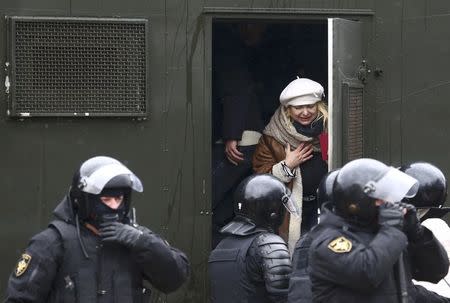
(301, 154)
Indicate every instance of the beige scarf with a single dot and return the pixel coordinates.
(281, 129)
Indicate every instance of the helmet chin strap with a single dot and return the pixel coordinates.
(421, 212)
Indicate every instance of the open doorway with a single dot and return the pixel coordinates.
(252, 61)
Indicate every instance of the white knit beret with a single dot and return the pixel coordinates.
(301, 91)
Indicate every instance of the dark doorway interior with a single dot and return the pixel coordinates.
(254, 60)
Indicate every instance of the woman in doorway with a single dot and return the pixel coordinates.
(294, 149)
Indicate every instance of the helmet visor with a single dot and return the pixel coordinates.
(291, 206)
(95, 183)
(393, 186)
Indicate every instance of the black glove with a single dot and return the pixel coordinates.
(412, 227)
(119, 233)
(391, 214)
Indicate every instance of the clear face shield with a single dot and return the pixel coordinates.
(94, 182)
(392, 186)
(290, 205)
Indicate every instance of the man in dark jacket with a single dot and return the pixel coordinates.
(252, 264)
(368, 247)
(93, 251)
(300, 284)
(237, 119)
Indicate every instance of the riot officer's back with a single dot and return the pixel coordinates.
(252, 264)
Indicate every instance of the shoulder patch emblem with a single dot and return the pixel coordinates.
(22, 265)
(340, 245)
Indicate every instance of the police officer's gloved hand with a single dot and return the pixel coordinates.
(391, 214)
(412, 227)
(119, 233)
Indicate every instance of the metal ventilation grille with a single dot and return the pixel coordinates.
(355, 123)
(73, 67)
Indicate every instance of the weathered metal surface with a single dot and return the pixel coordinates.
(344, 57)
(426, 83)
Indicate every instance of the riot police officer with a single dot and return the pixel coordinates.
(432, 191)
(366, 251)
(429, 202)
(93, 251)
(252, 264)
(299, 283)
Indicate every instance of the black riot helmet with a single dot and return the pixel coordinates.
(361, 182)
(432, 191)
(325, 189)
(263, 199)
(102, 176)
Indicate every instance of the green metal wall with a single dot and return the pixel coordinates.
(168, 151)
(405, 115)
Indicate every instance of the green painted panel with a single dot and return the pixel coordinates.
(426, 84)
(176, 8)
(426, 125)
(117, 8)
(3, 50)
(244, 3)
(387, 130)
(420, 9)
(384, 52)
(426, 71)
(23, 211)
(303, 3)
(437, 8)
(347, 55)
(157, 67)
(184, 124)
(347, 4)
(35, 5)
(426, 87)
(86, 7)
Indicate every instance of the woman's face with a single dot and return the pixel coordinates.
(303, 114)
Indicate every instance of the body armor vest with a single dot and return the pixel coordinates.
(230, 281)
(299, 283)
(109, 274)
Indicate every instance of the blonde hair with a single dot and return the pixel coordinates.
(322, 113)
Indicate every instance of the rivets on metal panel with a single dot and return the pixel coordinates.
(378, 72)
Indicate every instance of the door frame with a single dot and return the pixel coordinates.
(270, 14)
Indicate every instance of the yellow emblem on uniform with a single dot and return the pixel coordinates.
(22, 265)
(340, 245)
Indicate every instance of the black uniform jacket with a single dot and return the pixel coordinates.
(41, 274)
(350, 264)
